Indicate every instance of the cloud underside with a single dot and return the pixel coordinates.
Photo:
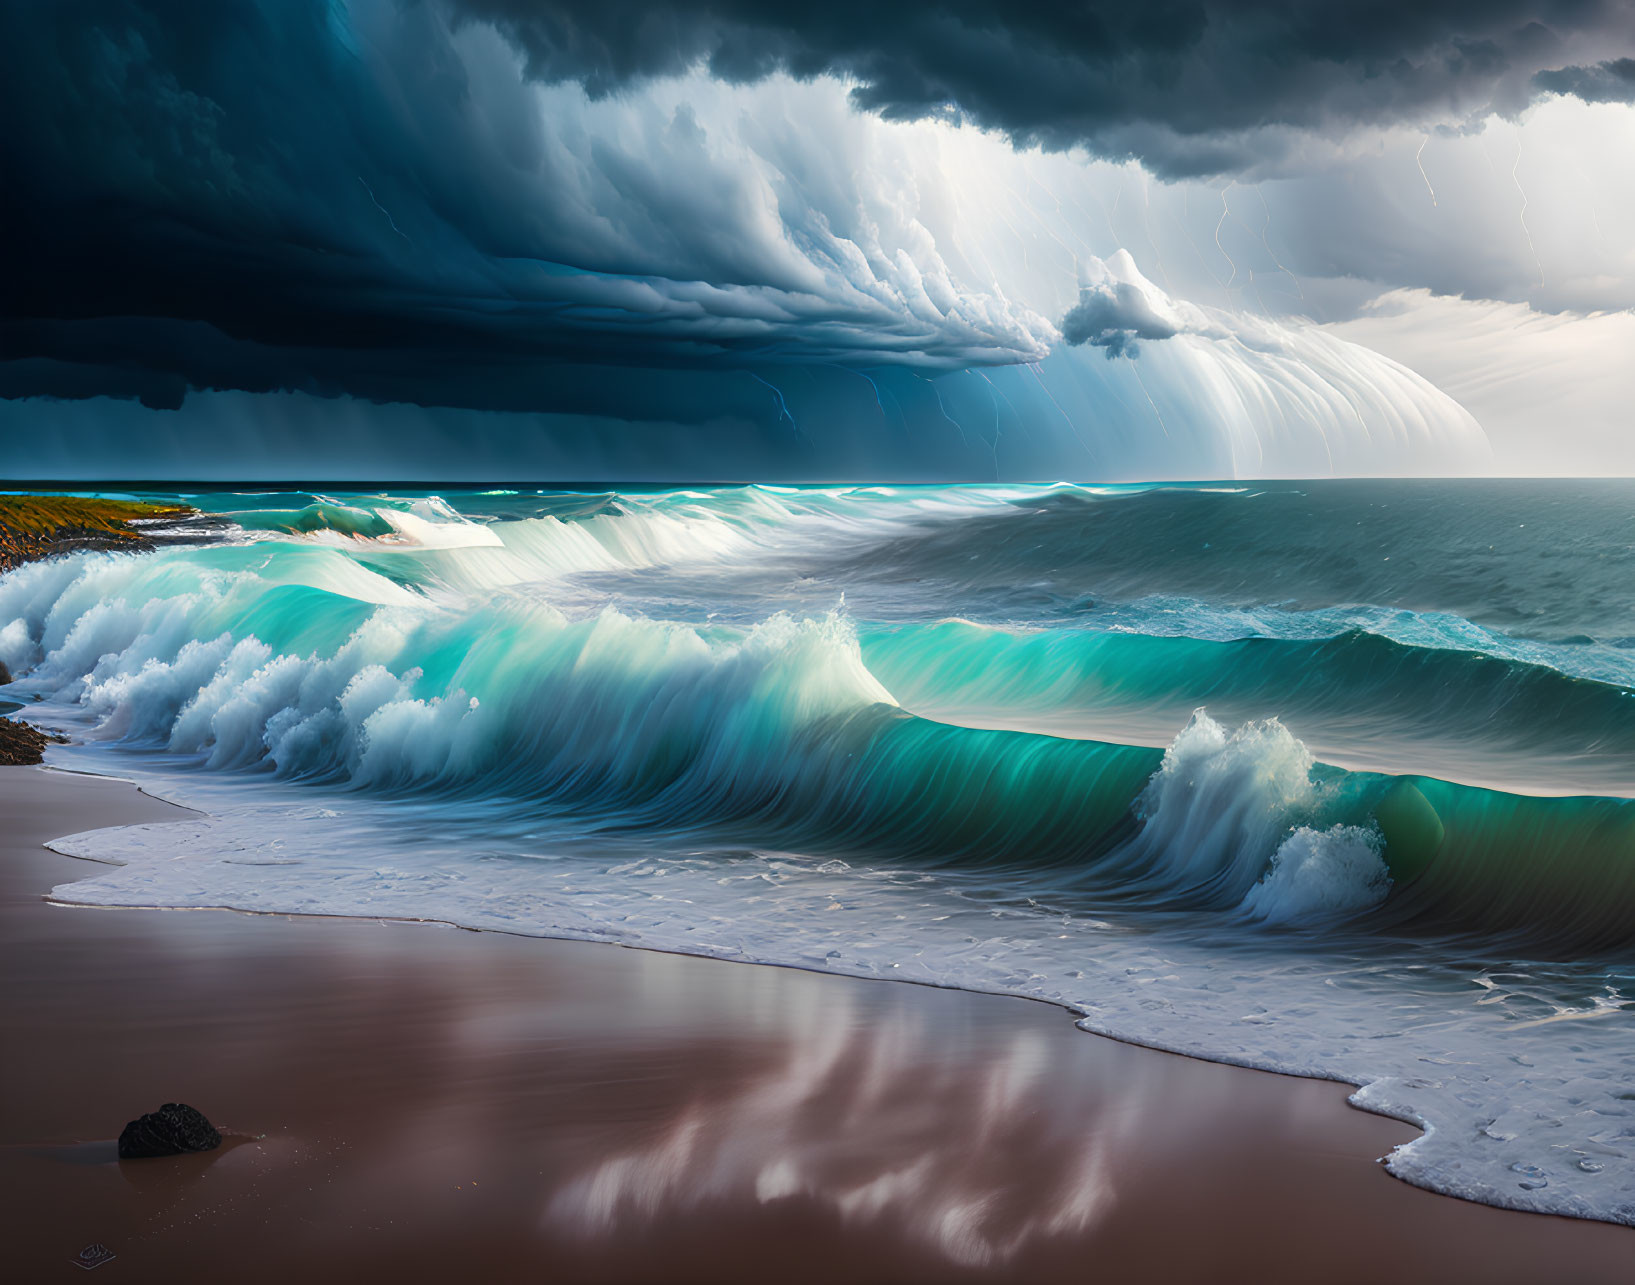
(1611, 81)
(1188, 87)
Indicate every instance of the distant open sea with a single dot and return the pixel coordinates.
(1324, 777)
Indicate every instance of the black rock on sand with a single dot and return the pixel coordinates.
(174, 1129)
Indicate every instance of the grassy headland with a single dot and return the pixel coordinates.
(37, 526)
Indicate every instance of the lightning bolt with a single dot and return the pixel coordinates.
(1266, 227)
(1421, 165)
(1225, 211)
(872, 385)
(938, 393)
(1140, 383)
(384, 210)
(1033, 369)
(783, 407)
(995, 396)
(1183, 221)
(1515, 178)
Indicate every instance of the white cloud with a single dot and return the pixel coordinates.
(1555, 392)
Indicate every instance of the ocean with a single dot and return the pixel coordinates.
(1332, 778)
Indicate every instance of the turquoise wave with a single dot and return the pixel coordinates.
(1357, 698)
(364, 671)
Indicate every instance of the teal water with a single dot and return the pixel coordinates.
(1332, 777)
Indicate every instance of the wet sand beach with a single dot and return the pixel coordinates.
(411, 1101)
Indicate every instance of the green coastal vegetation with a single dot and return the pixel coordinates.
(37, 526)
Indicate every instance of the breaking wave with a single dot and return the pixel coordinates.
(304, 661)
(1340, 816)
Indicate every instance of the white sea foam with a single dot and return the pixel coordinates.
(1219, 818)
(1317, 874)
(1220, 806)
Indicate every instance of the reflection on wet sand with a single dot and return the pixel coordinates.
(425, 1103)
(868, 1118)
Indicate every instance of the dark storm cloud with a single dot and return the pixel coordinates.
(1189, 87)
(364, 199)
(220, 194)
(1607, 82)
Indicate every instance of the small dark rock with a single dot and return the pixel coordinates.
(173, 1130)
(5, 674)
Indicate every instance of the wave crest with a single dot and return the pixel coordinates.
(1321, 874)
(311, 663)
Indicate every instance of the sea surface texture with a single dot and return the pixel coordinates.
(1332, 778)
